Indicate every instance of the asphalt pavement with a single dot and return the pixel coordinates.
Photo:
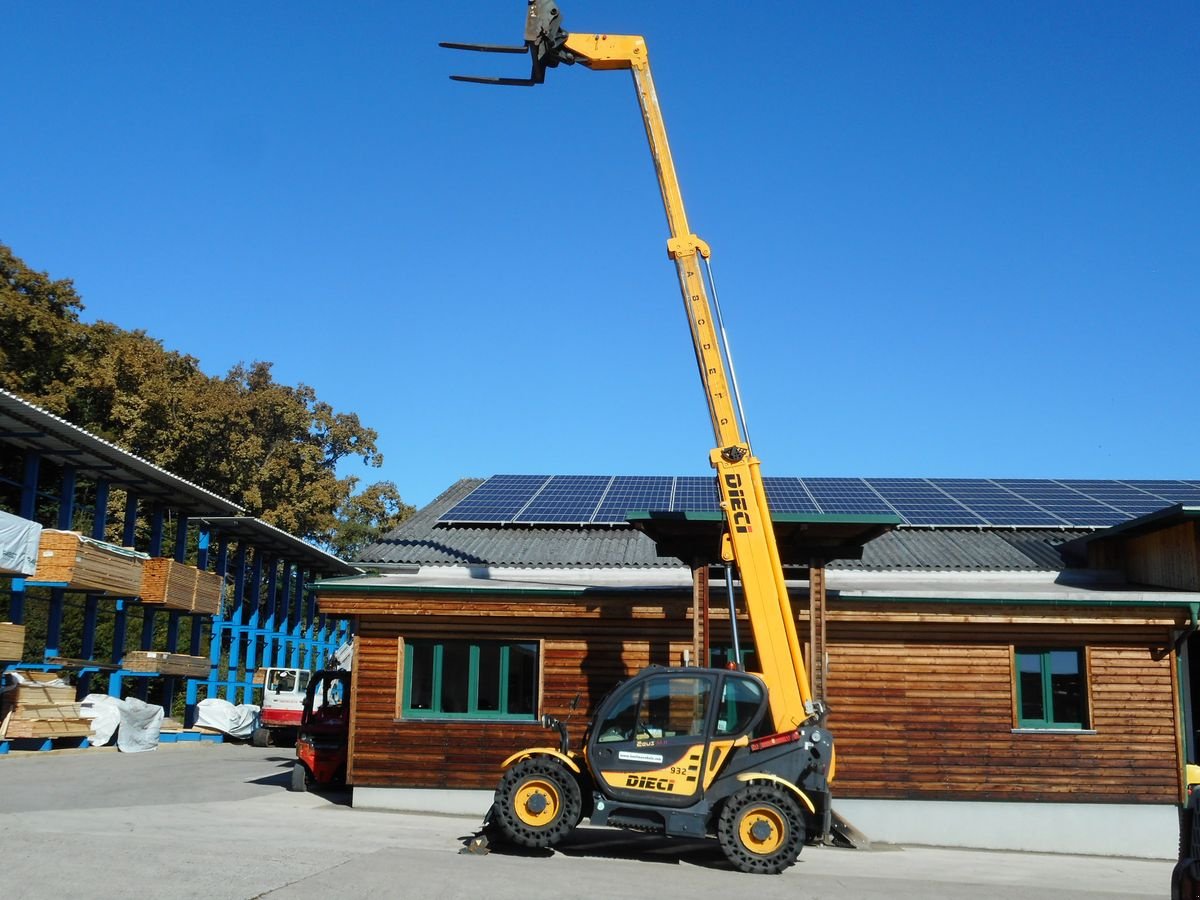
(216, 821)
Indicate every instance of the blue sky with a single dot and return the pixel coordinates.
(950, 239)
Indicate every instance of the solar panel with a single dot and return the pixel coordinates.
(1031, 502)
(695, 493)
(851, 496)
(788, 495)
(498, 499)
(994, 503)
(921, 503)
(566, 498)
(1069, 505)
(628, 492)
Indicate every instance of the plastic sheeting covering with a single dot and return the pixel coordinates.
(19, 541)
(137, 724)
(221, 715)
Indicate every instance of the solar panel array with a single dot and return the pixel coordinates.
(608, 499)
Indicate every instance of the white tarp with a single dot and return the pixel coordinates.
(19, 541)
(105, 713)
(221, 715)
(136, 722)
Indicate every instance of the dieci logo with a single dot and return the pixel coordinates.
(737, 503)
(645, 783)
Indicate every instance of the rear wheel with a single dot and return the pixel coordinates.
(537, 803)
(761, 829)
(299, 778)
(260, 737)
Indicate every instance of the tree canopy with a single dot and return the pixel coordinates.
(270, 447)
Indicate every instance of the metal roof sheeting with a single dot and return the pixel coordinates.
(30, 427)
(421, 541)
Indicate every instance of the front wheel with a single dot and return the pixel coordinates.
(299, 778)
(537, 803)
(761, 829)
(260, 737)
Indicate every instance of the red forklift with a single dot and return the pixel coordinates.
(324, 732)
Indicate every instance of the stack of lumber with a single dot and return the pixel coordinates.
(168, 583)
(206, 598)
(41, 706)
(170, 726)
(164, 663)
(80, 563)
(12, 641)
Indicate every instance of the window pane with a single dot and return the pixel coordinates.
(420, 689)
(489, 678)
(618, 726)
(1029, 668)
(522, 679)
(1066, 686)
(740, 700)
(456, 672)
(674, 707)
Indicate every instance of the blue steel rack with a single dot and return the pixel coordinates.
(260, 621)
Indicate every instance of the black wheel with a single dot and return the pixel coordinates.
(299, 780)
(537, 803)
(761, 829)
(260, 737)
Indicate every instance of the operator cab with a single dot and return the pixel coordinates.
(663, 736)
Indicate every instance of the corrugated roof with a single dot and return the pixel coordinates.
(421, 541)
(30, 427)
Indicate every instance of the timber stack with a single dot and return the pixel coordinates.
(168, 583)
(68, 559)
(174, 585)
(162, 662)
(206, 596)
(12, 641)
(41, 705)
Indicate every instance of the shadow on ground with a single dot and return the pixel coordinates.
(335, 795)
(611, 843)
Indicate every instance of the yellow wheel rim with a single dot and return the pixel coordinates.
(762, 830)
(537, 802)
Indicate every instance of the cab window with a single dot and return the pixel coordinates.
(665, 707)
(741, 699)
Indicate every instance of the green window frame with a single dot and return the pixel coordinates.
(456, 679)
(1052, 688)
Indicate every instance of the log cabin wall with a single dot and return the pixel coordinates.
(586, 649)
(922, 697)
(924, 704)
(1170, 558)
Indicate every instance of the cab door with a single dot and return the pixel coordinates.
(651, 737)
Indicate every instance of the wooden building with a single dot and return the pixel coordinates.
(990, 687)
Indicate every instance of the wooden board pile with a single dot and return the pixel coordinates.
(12, 641)
(38, 708)
(206, 598)
(168, 583)
(173, 585)
(164, 663)
(85, 564)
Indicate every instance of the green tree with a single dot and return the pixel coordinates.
(364, 517)
(40, 333)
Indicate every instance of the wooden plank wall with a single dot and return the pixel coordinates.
(935, 719)
(922, 698)
(465, 754)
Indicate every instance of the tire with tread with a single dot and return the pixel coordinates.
(538, 803)
(260, 737)
(761, 829)
(299, 780)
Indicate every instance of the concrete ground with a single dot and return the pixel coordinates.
(216, 821)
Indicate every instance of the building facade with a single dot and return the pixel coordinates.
(989, 687)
